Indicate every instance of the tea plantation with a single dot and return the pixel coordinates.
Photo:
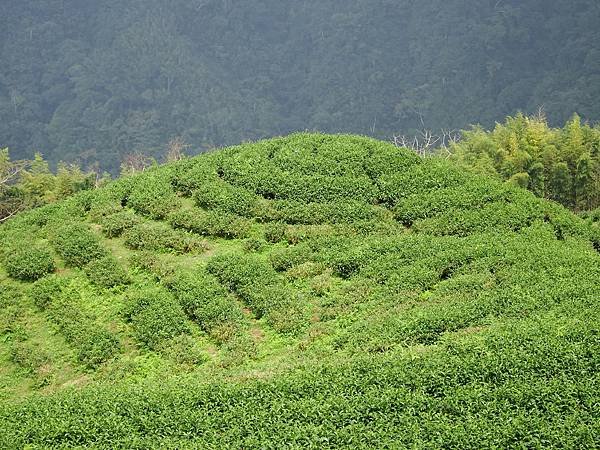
(308, 291)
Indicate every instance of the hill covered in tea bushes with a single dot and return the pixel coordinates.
(312, 290)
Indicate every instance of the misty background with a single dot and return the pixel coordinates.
(93, 81)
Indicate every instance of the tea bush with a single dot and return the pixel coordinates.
(184, 350)
(29, 357)
(153, 195)
(275, 232)
(191, 174)
(262, 289)
(156, 316)
(297, 212)
(93, 343)
(253, 245)
(76, 244)
(114, 225)
(152, 263)
(46, 289)
(159, 236)
(219, 195)
(101, 209)
(427, 176)
(106, 272)
(212, 223)
(285, 258)
(29, 263)
(205, 301)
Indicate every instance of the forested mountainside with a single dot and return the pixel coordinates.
(308, 291)
(96, 80)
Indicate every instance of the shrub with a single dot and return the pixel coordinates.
(348, 211)
(219, 195)
(205, 301)
(76, 244)
(10, 294)
(115, 224)
(32, 359)
(160, 236)
(212, 223)
(152, 263)
(275, 232)
(237, 348)
(184, 349)
(29, 263)
(253, 245)
(106, 272)
(93, 343)
(102, 209)
(153, 195)
(156, 316)
(241, 272)
(96, 346)
(46, 289)
(225, 225)
(287, 257)
(262, 289)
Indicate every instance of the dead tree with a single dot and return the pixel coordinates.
(425, 142)
(176, 149)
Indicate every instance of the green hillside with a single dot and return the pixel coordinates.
(308, 291)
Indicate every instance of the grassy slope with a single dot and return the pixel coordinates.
(310, 290)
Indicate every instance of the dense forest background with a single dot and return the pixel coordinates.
(93, 81)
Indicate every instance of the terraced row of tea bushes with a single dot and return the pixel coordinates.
(275, 232)
(541, 373)
(255, 171)
(114, 225)
(211, 223)
(159, 236)
(294, 212)
(152, 194)
(106, 272)
(93, 343)
(284, 258)
(465, 283)
(223, 197)
(76, 244)
(110, 199)
(155, 316)
(203, 299)
(325, 155)
(220, 195)
(32, 360)
(473, 194)
(191, 174)
(255, 281)
(319, 154)
(150, 262)
(272, 183)
(29, 262)
(508, 216)
(427, 176)
(207, 303)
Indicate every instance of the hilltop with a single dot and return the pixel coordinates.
(310, 290)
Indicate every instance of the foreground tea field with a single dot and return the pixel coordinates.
(313, 290)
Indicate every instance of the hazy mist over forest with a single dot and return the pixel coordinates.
(92, 81)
